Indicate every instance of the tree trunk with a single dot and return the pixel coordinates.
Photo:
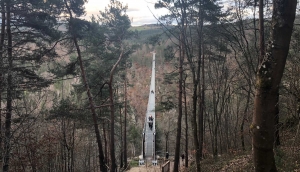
(202, 103)
(267, 85)
(94, 114)
(105, 142)
(178, 136)
(197, 97)
(186, 162)
(167, 139)
(125, 122)
(73, 147)
(7, 137)
(121, 139)
(261, 30)
(276, 135)
(89, 94)
(194, 124)
(215, 123)
(1, 76)
(113, 164)
(243, 121)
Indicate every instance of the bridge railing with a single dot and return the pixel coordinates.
(166, 167)
(143, 139)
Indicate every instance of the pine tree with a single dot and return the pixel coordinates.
(30, 33)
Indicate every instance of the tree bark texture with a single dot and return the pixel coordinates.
(1, 76)
(186, 162)
(267, 85)
(125, 121)
(261, 30)
(243, 121)
(201, 102)
(121, 139)
(178, 135)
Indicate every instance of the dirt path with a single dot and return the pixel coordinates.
(150, 168)
(144, 169)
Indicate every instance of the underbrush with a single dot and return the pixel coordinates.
(133, 163)
(237, 162)
(287, 157)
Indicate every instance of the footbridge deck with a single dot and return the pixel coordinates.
(149, 126)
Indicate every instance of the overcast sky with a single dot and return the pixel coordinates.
(138, 10)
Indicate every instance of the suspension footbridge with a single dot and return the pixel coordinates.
(148, 148)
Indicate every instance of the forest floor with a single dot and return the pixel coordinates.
(153, 168)
(145, 169)
(241, 162)
(207, 165)
(287, 158)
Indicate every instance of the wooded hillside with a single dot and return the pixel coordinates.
(74, 92)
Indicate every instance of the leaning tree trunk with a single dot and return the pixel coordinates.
(267, 85)
(93, 109)
(89, 94)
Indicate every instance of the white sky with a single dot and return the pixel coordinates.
(138, 10)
